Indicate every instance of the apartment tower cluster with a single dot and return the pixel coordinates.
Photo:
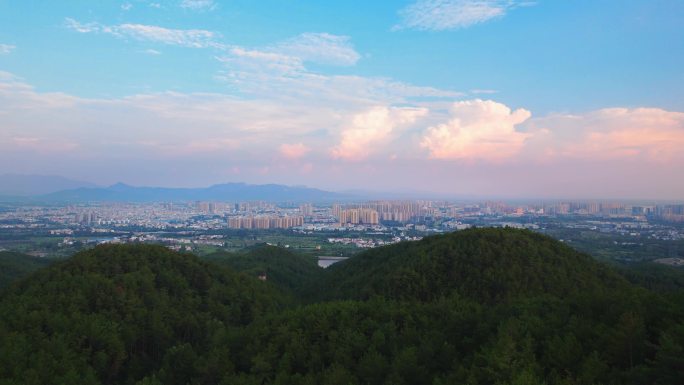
(380, 211)
(265, 222)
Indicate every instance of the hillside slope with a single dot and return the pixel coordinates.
(14, 266)
(487, 265)
(281, 267)
(115, 314)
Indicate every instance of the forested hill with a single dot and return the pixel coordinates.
(483, 306)
(487, 265)
(115, 314)
(281, 267)
(17, 265)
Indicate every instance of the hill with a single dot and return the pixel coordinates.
(483, 306)
(654, 276)
(115, 314)
(284, 269)
(487, 265)
(221, 192)
(14, 266)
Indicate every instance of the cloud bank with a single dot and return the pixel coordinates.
(643, 134)
(474, 146)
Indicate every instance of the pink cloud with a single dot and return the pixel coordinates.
(42, 145)
(370, 130)
(307, 168)
(478, 129)
(294, 150)
(650, 134)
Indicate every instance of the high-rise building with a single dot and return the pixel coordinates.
(306, 209)
(336, 210)
(265, 222)
(359, 216)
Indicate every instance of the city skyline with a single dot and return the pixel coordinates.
(454, 97)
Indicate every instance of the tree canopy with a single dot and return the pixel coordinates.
(488, 265)
(14, 266)
(286, 270)
(483, 306)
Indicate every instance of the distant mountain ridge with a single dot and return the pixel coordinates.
(220, 192)
(27, 185)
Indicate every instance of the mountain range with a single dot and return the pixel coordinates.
(31, 185)
(48, 189)
(225, 192)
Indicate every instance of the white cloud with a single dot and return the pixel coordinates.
(483, 92)
(16, 95)
(478, 130)
(82, 27)
(282, 82)
(284, 61)
(438, 15)
(278, 71)
(278, 76)
(6, 49)
(321, 48)
(290, 54)
(126, 6)
(199, 5)
(243, 61)
(369, 131)
(194, 38)
(152, 52)
(8, 77)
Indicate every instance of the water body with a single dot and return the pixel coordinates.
(324, 262)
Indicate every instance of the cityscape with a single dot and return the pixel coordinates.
(340, 229)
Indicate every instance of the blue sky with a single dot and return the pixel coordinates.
(299, 91)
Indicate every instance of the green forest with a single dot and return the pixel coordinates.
(17, 265)
(479, 306)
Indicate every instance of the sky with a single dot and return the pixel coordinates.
(579, 99)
